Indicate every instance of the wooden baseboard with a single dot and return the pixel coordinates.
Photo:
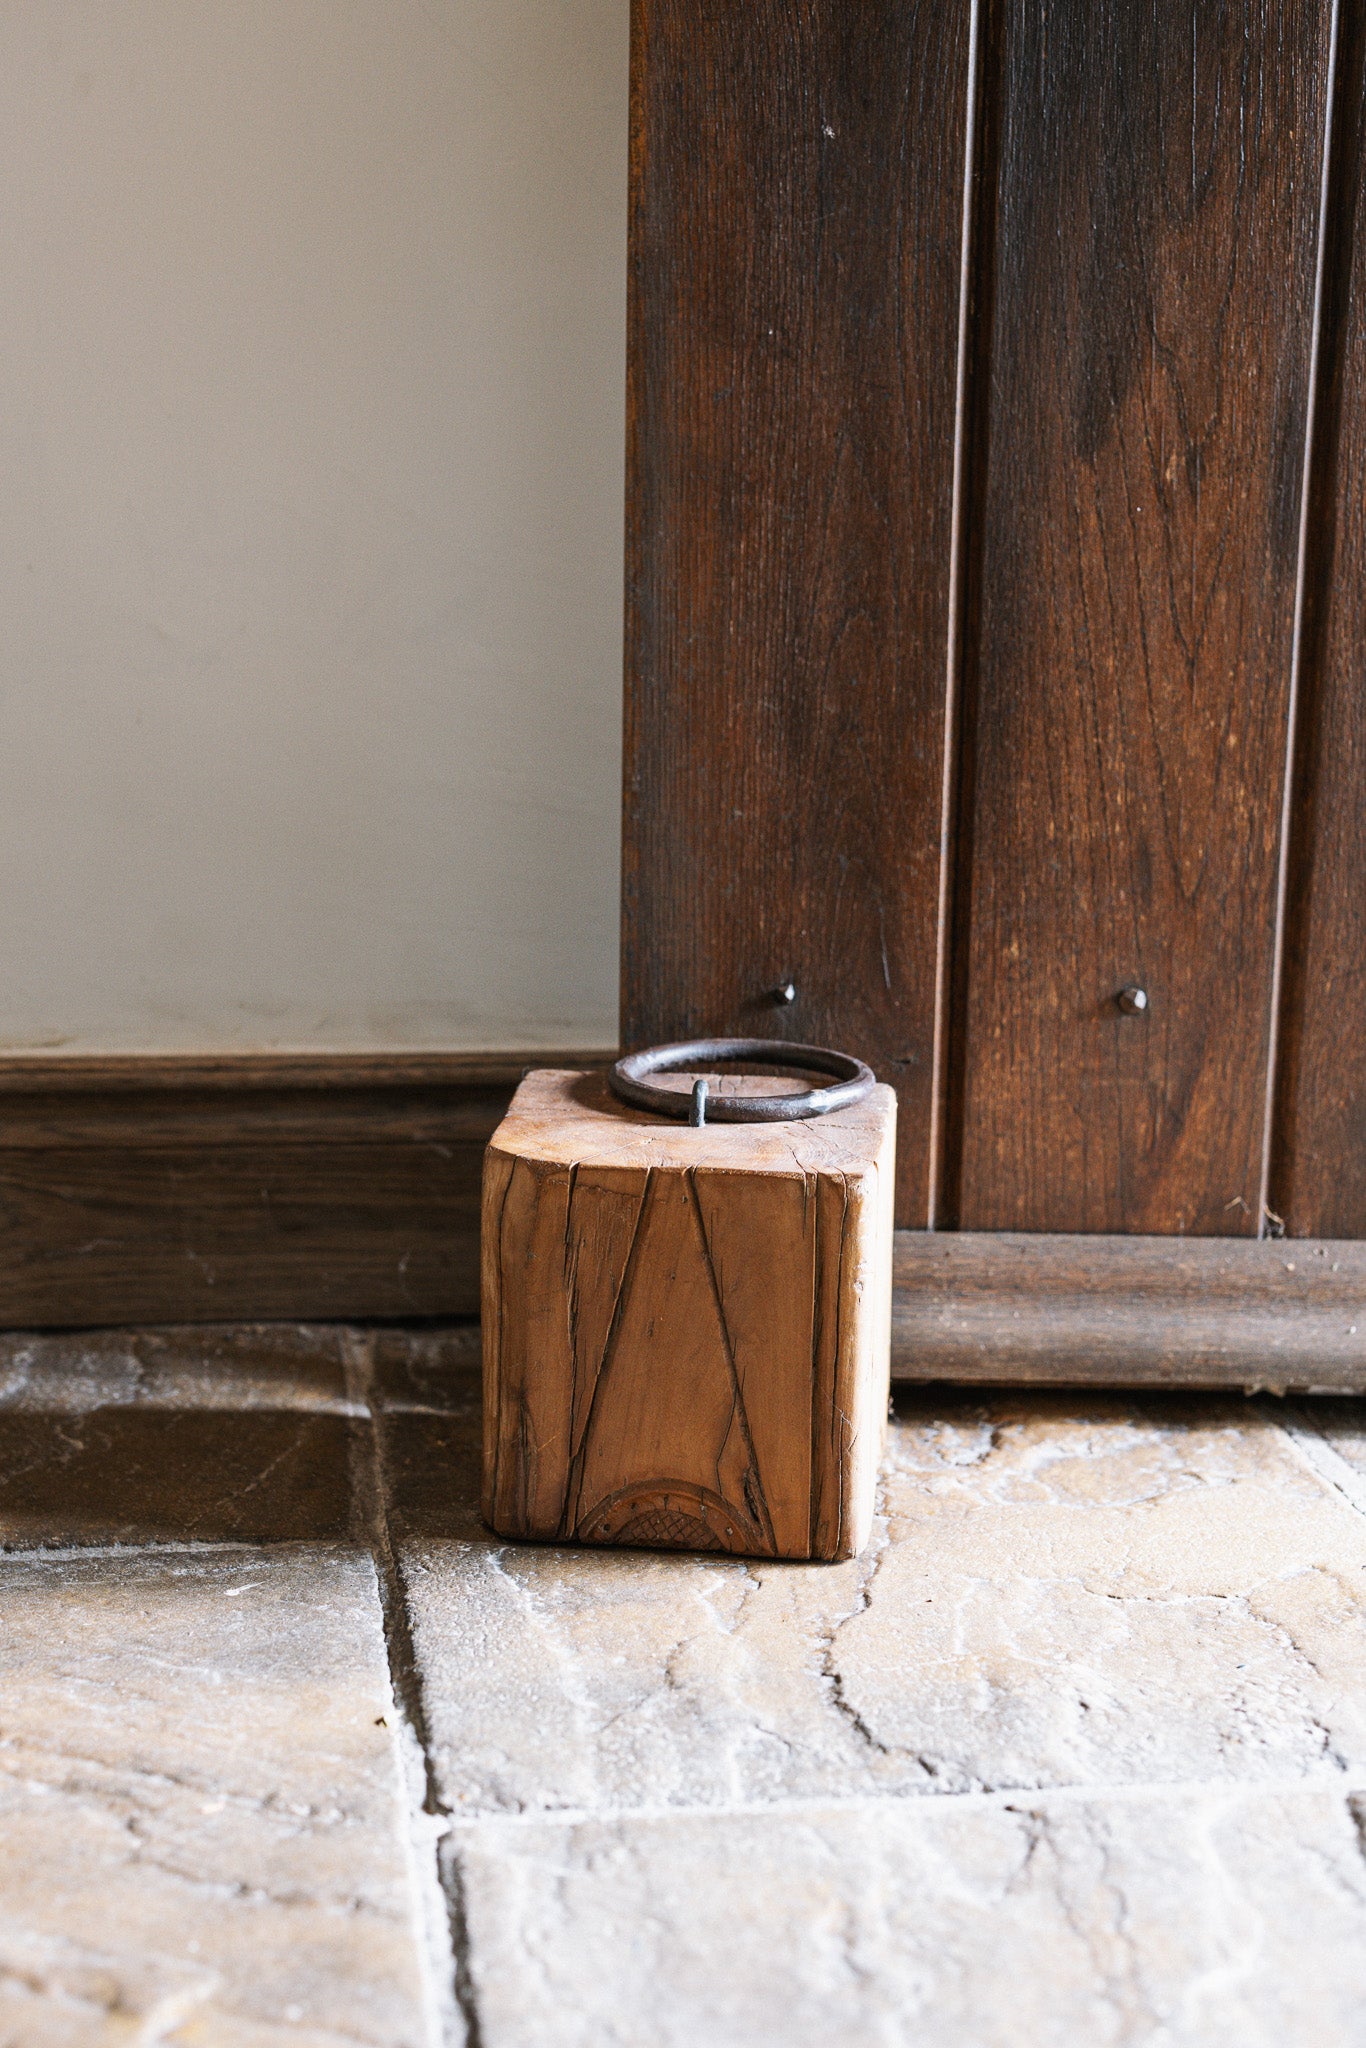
(1285, 1315)
(139, 1189)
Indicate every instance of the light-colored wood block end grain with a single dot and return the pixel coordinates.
(686, 1332)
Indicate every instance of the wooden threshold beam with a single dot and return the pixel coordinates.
(1282, 1315)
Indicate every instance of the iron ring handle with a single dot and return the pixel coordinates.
(629, 1081)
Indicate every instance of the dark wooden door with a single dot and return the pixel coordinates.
(998, 441)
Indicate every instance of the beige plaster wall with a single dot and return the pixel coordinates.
(311, 366)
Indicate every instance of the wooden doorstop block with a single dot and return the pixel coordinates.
(686, 1332)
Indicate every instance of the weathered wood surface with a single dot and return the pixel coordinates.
(1286, 1314)
(685, 1332)
(1318, 1183)
(1150, 280)
(139, 1189)
(796, 221)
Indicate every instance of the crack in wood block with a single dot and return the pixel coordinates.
(686, 1333)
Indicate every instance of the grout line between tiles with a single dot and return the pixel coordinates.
(453, 2015)
(1026, 1798)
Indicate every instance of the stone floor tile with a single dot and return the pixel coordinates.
(200, 1805)
(279, 1366)
(430, 1440)
(1095, 1590)
(426, 1370)
(186, 1435)
(1212, 1918)
(147, 1475)
(1111, 1590)
(696, 1801)
(426, 1392)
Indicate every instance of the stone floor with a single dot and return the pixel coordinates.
(295, 1753)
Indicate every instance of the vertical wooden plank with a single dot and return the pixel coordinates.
(795, 260)
(1150, 330)
(1318, 1182)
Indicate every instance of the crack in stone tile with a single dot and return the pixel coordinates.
(145, 1855)
(869, 1565)
(1356, 1807)
(1316, 1450)
(716, 1576)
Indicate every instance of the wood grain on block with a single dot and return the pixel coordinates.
(686, 1332)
